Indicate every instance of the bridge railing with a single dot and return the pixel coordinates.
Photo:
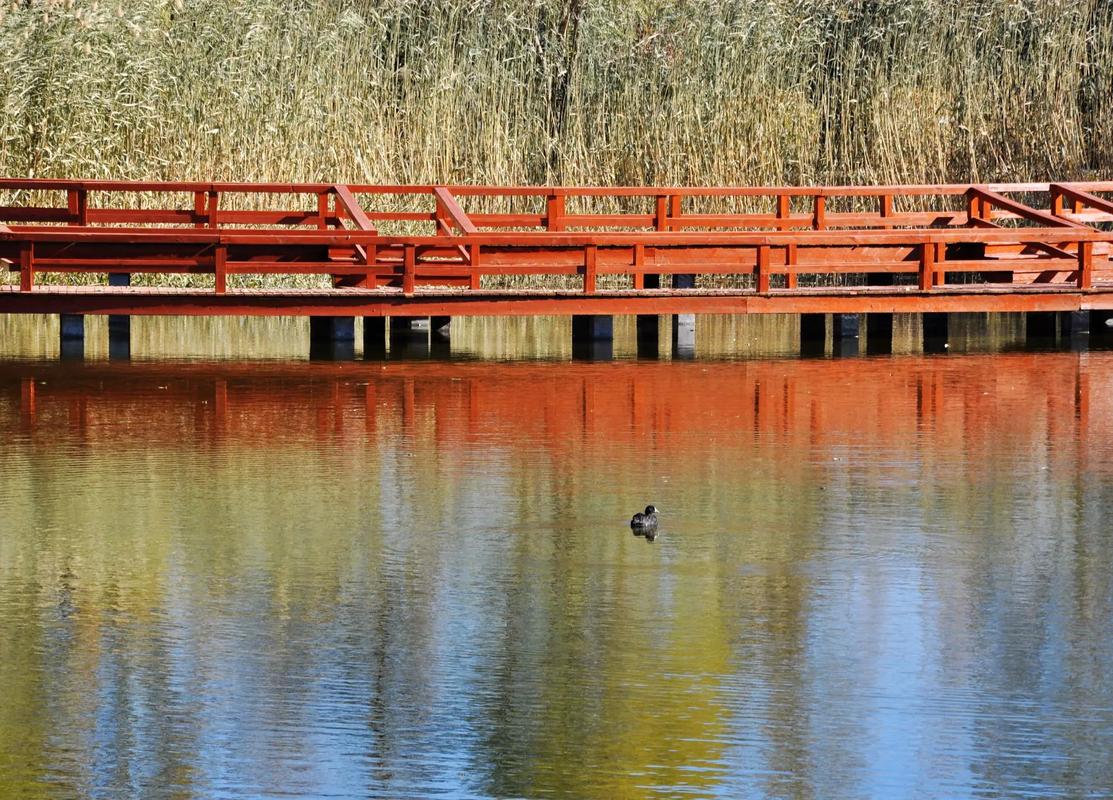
(929, 232)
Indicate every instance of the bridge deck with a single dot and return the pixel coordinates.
(433, 302)
(417, 249)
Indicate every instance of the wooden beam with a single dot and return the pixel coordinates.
(200, 302)
(1084, 197)
(455, 212)
(352, 207)
(1024, 211)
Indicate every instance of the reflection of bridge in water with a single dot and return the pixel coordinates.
(1048, 397)
(874, 252)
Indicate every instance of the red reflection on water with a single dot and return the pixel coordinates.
(962, 402)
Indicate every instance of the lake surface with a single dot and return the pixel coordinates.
(876, 577)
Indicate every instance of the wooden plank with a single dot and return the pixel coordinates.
(927, 266)
(1085, 265)
(211, 209)
(354, 210)
(409, 270)
(554, 212)
(790, 266)
(84, 300)
(455, 211)
(590, 266)
(761, 273)
(1021, 210)
(220, 262)
(26, 266)
(1083, 197)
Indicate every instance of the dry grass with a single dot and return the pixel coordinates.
(558, 91)
(575, 91)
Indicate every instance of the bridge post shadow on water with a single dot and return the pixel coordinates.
(859, 266)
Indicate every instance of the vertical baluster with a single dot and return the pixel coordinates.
(1085, 265)
(927, 265)
(762, 269)
(885, 208)
(214, 203)
(589, 268)
(26, 266)
(554, 213)
(409, 269)
(220, 264)
(784, 211)
(790, 266)
(819, 212)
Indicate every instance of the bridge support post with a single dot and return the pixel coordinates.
(332, 338)
(374, 338)
(71, 336)
(649, 335)
(440, 343)
(592, 337)
(813, 334)
(935, 328)
(119, 325)
(1043, 327)
(1074, 323)
(649, 325)
(879, 334)
(683, 325)
(844, 334)
(409, 337)
(1101, 324)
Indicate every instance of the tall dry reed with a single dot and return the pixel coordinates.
(558, 91)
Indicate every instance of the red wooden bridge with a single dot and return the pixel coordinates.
(453, 250)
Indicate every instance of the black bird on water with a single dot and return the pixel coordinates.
(645, 524)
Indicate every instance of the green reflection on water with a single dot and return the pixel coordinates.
(234, 579)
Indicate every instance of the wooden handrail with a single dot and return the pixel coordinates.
(454, 211)
(1084, 197)
(353, 208)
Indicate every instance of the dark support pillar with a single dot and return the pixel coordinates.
(879, 333)
(332, 338)
(71, 336)
(592, 337)
(879, 327)
(844, 333)
(649, 334)
(845, 326)
(1101, 324)
(813, 334)
(409, 337)
(403, 328)
(440, 344)
(1041, 326)
(440, 327)
(649, 325)
(374, 337)
(683, 325)
(1073, 323)
(119, 325)
(935, 332)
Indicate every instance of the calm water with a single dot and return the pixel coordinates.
(877, 577)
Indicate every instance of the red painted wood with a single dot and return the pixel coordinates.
(331, 233)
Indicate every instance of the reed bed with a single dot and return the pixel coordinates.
(558, 91)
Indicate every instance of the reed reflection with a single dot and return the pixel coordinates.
(399, 578)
